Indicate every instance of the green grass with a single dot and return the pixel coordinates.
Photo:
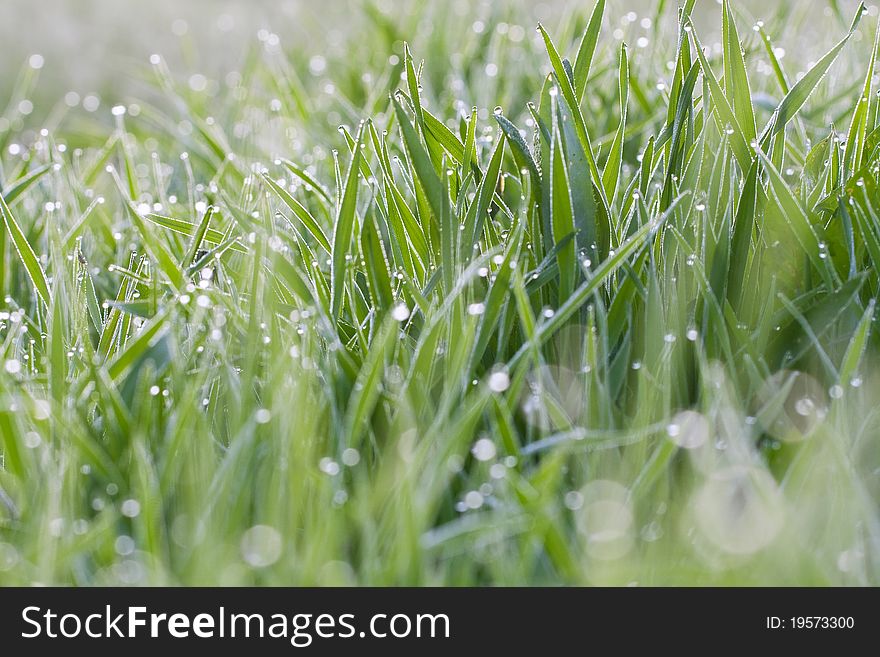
(614, 332)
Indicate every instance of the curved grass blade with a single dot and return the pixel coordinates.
(743, 226)
(368, 385)
(303, 175)
(444, 136)
(199, 236)
(797, 220)
(495, 300)
(426, 175)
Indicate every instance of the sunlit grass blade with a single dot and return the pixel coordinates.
(571, 100)
(188, 229)
(802, 229)
(14, 190)
(25, 253)
(599, 276)
(613, 164)
(726, 116)
(300, 212)
(476, 216)
(737, 86)
(562, 216)
(801, 91)
(587, 49)
(856, 348)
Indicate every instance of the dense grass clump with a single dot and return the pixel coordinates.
(611, 331)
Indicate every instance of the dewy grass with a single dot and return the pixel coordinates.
(617, 331)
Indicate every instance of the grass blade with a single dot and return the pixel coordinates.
(300, 212)
(739, 93)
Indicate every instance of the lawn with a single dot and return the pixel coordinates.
(462, 303)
